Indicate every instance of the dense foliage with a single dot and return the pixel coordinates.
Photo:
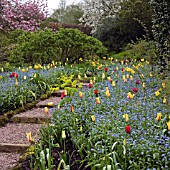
(117, 23)
(161, 31)
(47, 46)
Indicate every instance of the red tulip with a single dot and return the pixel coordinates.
(106, 69)
(137, 81)
(127, 129)
(135, 90)
(122, 69)
(62, 95)
(96, 91)
(13, 74)
(90, 85)
(16, 75)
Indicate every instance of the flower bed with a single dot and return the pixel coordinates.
(121, 121)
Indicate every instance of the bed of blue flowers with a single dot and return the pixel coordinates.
(121, 120)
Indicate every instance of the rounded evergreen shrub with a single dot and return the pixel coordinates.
(47, 46)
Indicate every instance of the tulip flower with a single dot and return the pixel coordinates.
(163, 85)
(97, 100)
(122, 70)
(90, 85)
(135, 90)
(25, 77)
(151, 74)
(103, 76)
(46, 110)
(95, 91)
(164, 100)
(79, 77)
(113, 83)
(125, 80)
(130, 95)
(85, 76)
(143, 85)
(124, 141)
(63, 134)
(158, 117)
(126, 116)
(91, 81)
(142, 59)
(29, 138)
(107, 93)
(93, 118)
(16, 83)
(62, 95)
(157, 93)
(50, 104)
(72, 109)
(127, 129)
(127, 76)
(168, 124)
(131, 78)
(137, 81)
(106, 69)
(80, 94)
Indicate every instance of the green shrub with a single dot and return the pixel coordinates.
(45, 46)
(141, 49)
(34, 47)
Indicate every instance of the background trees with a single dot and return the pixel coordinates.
(116, 22)
(17, 14)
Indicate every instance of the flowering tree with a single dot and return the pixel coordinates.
(96, 10)
(21, 14)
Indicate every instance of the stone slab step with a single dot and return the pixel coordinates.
(8, 160)
(46, 103)
(9, 147)
(35, 115)
(15, 133)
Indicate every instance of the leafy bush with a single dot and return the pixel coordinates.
(141, 49)
(34, 47)
(46, 46)
(73, 44)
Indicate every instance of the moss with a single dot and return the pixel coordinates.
(3, 120)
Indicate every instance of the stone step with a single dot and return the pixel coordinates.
(46, 103)
(13, 136)
(8, 160)
(9, 147)
(35, 115)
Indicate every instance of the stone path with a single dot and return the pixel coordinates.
(13, 141)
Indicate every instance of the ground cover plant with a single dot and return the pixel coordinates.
(120, 121)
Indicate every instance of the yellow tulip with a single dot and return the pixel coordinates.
(163, 85)
(0, 77)
(164, 100)
(159, 115)
(46, 110)
(2, 69)
(80, 94)
(79, 77)
(157, 93)
(65, 92)
(131, 78)
(25, 77)
(29, 138)
(124, 141)
(113, 83)
(130, 95)
(142, 59)
(93, 118)
(107, 93)
(103, 76)
(16, 83)
(127, 76)
(50, 104)
(63, 135)
(126, 116)
(98, 100)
